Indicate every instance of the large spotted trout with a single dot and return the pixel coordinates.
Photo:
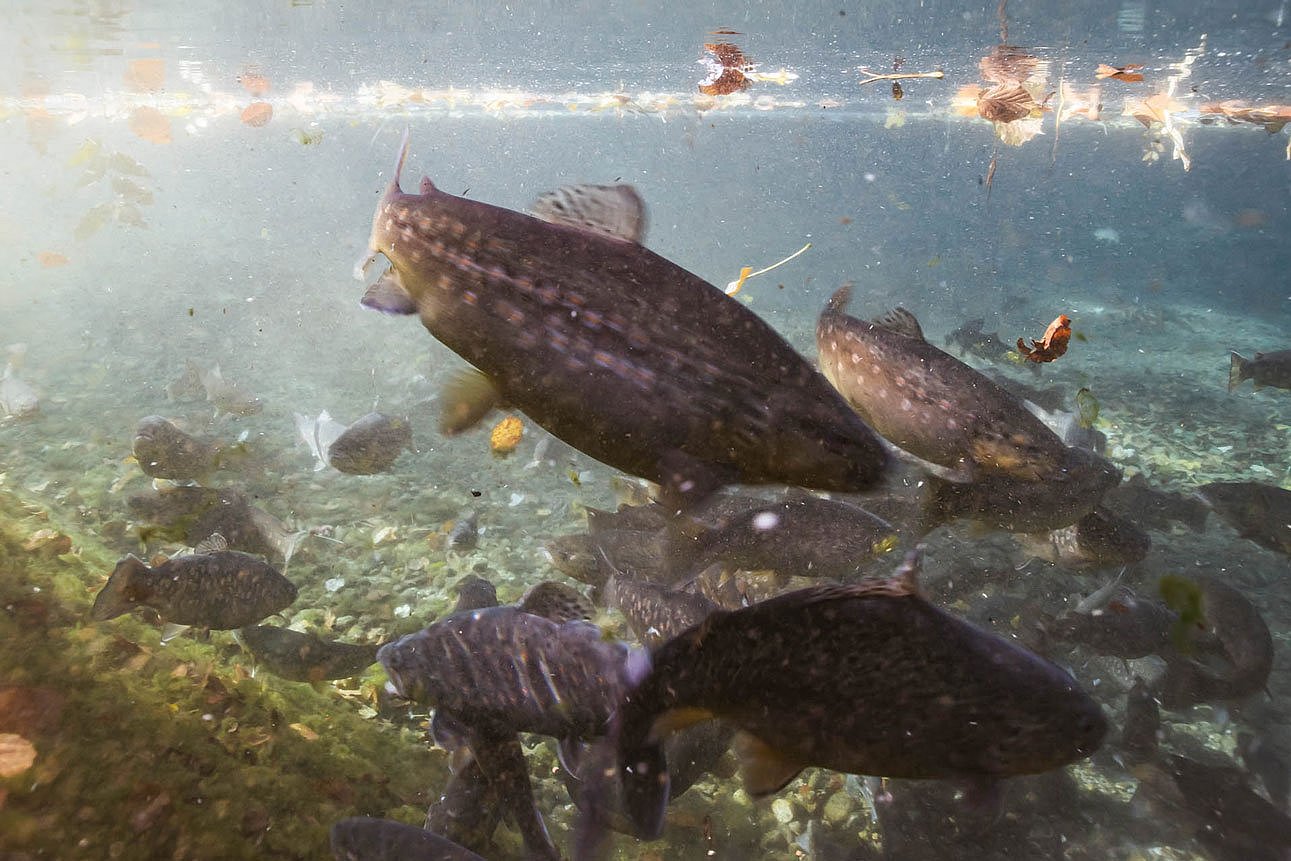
(615, 350)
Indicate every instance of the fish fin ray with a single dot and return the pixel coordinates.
(616, 211)
(1236, 370)
(901, 322)
(214, 543)
(388, 295)
(839, 301)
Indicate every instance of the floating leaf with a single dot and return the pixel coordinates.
(149, 124)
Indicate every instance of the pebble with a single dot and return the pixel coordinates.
(334, 584)
(838, 808)
(782, 810)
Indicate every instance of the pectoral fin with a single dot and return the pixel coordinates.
(765, 770)
(468, 398)
(389, 296)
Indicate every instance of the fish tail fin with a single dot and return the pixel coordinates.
(839, 301)
(1239, 369)
(290, 544)
(122, 591)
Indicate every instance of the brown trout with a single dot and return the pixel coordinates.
(610, 347)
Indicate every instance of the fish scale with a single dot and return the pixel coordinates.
(616, 350)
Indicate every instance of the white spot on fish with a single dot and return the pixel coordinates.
(764, 521)
(1107, 235)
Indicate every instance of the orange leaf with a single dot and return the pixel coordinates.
(146, 76)
(149, 124)
(257, 114)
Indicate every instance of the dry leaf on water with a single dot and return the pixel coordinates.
(257, 114)
(151, 125)
(146, 76)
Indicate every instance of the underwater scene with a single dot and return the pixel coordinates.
(622, 431)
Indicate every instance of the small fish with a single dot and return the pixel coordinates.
(1052, 345)
(591, 559)
(803, 536)
(189, 514)
(227, 397)
(361, 838)
(1100, 539)
(868, 679)
(970, 339)
(1216, 805)
(1017, 505)
(165, 451)
(474, 593)
(1259, 512)
(465, 534)
(1124, 625)
(302, 657)
(1152, 508)
(659, 384)
(221, 590)
(371, 445)
(17, 398)
(1266, 369)
(929, 403)
(318, 434)
(1231, 660)
(1086, 407)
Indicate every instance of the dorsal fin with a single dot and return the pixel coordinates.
(215, 543)
(613, 210)
(838, 302)
(900, 321)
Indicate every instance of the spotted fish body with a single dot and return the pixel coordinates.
(165, 451)
(867, 678)
(928, 402)
(615, 350)
(221, 590)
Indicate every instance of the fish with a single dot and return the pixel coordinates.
(227, 397)
(1216, 805)
(867, 678)
(499, 671)
(503, 670)
(1265, 369)
(370, 445)
(1233, 657)
(474, 593)
(558, 602)
(1087, 407)
(1051, 398)
(465, 534)
(969, 339)
(591, 559)
(1140, 735)
(220, 590)
(301, 657)
(17, 398)
(1018, 505)
(190, 514)
(1259, 512)
(1123, 624)
(929, 403)
(1070, 428)
(165, 451)
(318, 434)
(362, 838)
(655, 613)
(1100, 539)
(615, 350)
(1263, 756)
(1153, 508)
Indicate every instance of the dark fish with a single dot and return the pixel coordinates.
(615, 350)
(371, 445)
(361, 838)
(970, 339)
(190, 514)
(1125, 625)
(1018, 505)
(465, 534)
(1099, 539)
(928, 402)
(474, 593)
(1266, 369)
(591, 559)
(1259, 512)
(302, 657)
(655, 613)
(505, 670)
(225, 395)
(556, 601)
(1216, 805)
(165, 451)
(867, 678)
(630, 518)
(1141, 732)
(221, 590)
(1262, 757)
(1152, 508)
(802, 536)
(1238, 644)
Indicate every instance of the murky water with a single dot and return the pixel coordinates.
(189, 190)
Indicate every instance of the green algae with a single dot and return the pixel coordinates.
(171, 751)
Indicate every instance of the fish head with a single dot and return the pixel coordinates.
(1051, 724)
(400, 660)
(125, 590)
